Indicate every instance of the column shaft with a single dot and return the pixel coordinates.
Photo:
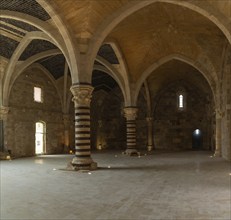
(131, 134)
(130, 114)
(82, 98)
(218, 135)
(150, 133)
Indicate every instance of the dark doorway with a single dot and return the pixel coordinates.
(197, 141)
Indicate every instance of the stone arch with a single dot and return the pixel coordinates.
(45, 27)
(160, 62)
(17, 53)
(109, 69)
(204, 9)
(72, 48)
(30, 61)
(123, 68)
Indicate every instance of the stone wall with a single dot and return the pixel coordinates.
(107, 122)
(226, 107)
(141, 123)
(173, 128)
(24, 113)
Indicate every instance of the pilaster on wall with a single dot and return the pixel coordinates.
(3, 112)
(82, 97)
(225, 105)
(3, 120)
(66, 122)
(150, 133)
(218, 133)
(130, 113)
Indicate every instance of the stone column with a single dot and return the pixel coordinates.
(150, 133)
(130, 113)
(218, 134)
(82, 97)
(66, 122)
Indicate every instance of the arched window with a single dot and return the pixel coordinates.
(181, 100)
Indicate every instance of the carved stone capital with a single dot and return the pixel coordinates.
(82, 94)
(130, 113)
(3, 112)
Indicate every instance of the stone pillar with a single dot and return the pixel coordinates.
(150, 133)
(130, 113)
(66, 122)
(82, 98)
(218, 134)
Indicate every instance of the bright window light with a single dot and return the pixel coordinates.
(181, 101)
(37, 94)
(197, 131)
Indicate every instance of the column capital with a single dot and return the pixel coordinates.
(130, 113)
(82, 94)
(3, 112)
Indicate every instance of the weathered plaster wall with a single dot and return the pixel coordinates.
(173, 129)
(24, 113)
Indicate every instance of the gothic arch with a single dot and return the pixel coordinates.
(14, 59)
(21, 67)
(160, 62)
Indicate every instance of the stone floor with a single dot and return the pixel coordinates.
(181, 185)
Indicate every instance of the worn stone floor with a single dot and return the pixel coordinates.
(165, 185)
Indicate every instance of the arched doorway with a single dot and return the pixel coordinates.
(40, 138)
(197, 141)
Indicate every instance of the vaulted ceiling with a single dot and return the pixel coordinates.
(144, 36)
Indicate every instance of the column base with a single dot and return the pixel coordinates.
(217, 153)
(5, 156)
(131, 152)
(82, 164)
(149, 148)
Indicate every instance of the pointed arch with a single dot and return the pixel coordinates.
(72, 47)
(123, 68)
(15, 57)
(197, 65)
(113, 72)
(45, 27)
(22, 66)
